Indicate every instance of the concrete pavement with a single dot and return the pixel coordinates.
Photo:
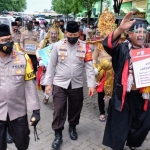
(90, 130)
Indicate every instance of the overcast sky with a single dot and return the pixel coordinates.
(37, 5)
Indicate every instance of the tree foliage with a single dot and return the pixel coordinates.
(88, 4)
(73, 6)
(117, 6)
(13, 5)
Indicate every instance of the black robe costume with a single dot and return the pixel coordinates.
(127, 121)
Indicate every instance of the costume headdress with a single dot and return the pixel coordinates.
(106, 24)
(53, 28)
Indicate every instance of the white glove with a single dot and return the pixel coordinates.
(96, 71)
(41, 63)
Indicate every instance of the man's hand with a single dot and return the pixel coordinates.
(126, 23)
(39, 58)
(48, 89)
(91, 91)
(35, 118)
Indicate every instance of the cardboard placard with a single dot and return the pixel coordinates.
(30, 47)
(141, 66)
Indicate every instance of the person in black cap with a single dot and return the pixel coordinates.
(61, 23)
(36, 26)
(65, 70)
(16, 35)
(129, 111)
(19, 23)
(16, 80)
(28, 37)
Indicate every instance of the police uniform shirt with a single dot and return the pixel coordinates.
(17, 87)
(67, 65)
(16, 37)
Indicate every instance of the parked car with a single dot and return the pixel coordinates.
(42, 20)
(78, 19)
(6, 20)
(92, 20)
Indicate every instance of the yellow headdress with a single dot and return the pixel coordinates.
(53, 28)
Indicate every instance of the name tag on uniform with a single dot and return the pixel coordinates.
(80, 53)
(18, 72)
(62, 52)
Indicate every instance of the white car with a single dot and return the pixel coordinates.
(6, 20)
(78, 19)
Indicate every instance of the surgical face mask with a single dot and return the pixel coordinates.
(6, 47)
(36, 27)
(72, 40)
(29, 27)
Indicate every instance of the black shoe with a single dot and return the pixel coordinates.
(58, 140)
(73, 133)
(9, 138)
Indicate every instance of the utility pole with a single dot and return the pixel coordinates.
(101, 6)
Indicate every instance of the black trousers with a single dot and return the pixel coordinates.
(101, 103)
(75, 103)
(18, 129)
(132, 124)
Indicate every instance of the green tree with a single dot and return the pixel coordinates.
(88, 4)
(76, 7)
(61, 7)
(12, 5)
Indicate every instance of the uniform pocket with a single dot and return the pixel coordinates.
(18, 75)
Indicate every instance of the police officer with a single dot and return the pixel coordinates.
(16, 34)
(65, 71)
(18, 93)
(37, 26)
(18, 20)
(30, 35)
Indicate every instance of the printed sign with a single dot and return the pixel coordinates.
(45, 54)
(141, 66)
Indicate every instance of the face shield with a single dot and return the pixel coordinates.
(139, 37)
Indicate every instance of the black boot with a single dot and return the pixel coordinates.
(9, 138)
(58, 140)
(73, 133)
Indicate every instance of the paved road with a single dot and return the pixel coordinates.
(90, 130)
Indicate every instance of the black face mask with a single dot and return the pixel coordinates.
(61, 26)
(15, 30)
(7, 47)
(72, 40)
(29, 27)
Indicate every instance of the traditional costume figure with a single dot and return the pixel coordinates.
(102, 62)
(129, 111)
(54, 34)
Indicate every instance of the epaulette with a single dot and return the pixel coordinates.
(19, 52)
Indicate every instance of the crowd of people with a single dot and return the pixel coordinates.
(70, 54)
